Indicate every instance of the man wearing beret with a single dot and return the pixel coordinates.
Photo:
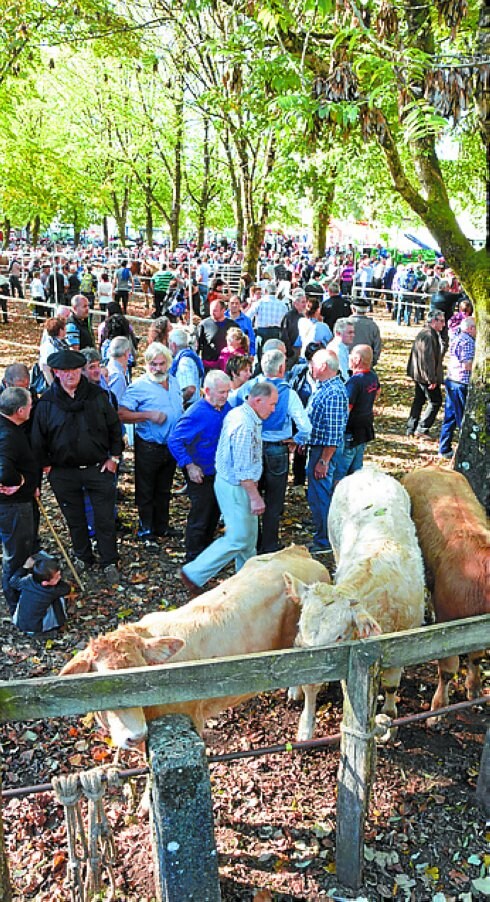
(77, 437)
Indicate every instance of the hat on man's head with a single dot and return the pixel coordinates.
(66, 360)
(361, 303)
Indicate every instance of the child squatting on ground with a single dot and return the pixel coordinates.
(41, 606)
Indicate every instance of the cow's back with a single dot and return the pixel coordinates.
(454, 539)
(248, 613)
(376, 549)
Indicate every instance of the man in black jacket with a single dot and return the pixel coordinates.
(77, 436)
(335, 307)
(425, 368)
(18, 484)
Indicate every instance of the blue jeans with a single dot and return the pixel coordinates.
(456, 393)
(320, 493)
(350, 459)
(17, 535)
(239, 541)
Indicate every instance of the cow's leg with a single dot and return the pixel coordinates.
(306, 726)
(295, 693)
(447, 668)
(473, 677)
(390, 683)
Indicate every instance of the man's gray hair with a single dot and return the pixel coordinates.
(262, 390)
(467, 321)
(298, 295)
(15, 372)
(341, 325)
(273, 344)
(119, 346)
(90, 354)
(271, 362)
(334, 288)
(179, 338)
(12, 399)
(328, 357)
(155, 350)
(215, 378)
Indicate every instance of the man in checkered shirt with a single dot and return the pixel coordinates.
(238, 470)
(267, 315)
(328, 411)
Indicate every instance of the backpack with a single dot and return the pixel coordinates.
(87, 283)
(297, 379)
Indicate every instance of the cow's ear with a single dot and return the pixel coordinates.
(80, 663)
(294, 588)
(157, 651)
(364, 625)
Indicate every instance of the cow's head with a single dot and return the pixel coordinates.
(328, 614)
(120, 650)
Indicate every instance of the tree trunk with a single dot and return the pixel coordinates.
(105, 230)
(236, 191)
(7, 225)
(121, 213)
(76, 230)
(201, 227)
(27, 230)
(472, 451)
(5, 888)
(256, 210)
(255, 237)
(36, 229)
(179, 144)
(149, 221)
(149, 206)
(205, 190)
(320, 230)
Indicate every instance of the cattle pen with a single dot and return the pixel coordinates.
(356, 664)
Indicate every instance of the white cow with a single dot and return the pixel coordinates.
(250, 612)
(379, 581)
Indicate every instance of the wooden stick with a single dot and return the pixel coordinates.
(59, 543)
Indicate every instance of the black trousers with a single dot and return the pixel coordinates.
(272, 486)
(154, 470)
(68, 484)
(122, 297)
(159, 300)
(203, 516)
(424, 394)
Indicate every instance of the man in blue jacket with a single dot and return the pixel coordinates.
(193, 443)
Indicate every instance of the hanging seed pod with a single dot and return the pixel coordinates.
(404, 98)
(341, 84)
(318, 87)
(452, 12)
(387, 23)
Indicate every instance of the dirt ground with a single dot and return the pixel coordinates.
(274, 815)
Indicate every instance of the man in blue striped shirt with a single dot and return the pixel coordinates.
(238, 470)
(328, 411)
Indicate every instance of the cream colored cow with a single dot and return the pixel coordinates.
(379, 581)
(250, 612)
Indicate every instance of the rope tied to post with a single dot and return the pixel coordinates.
(97, 846)
(67, 791)
(102, 849)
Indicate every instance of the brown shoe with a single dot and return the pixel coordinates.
(193, 589)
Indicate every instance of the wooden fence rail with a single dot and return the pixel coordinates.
(355, 663)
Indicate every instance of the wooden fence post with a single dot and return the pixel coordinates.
(357, 764)
(483, 785)
(5, 888)
(184, 850)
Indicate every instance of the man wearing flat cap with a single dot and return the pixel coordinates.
(77, 437)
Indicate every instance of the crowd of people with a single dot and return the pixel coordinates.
(235, 385)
